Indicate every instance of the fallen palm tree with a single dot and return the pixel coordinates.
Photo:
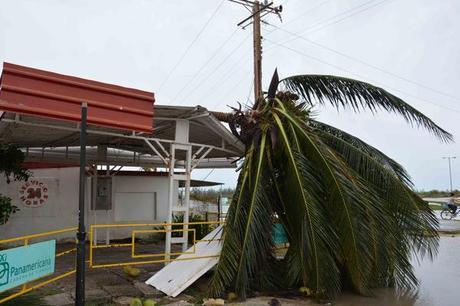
(349, 211)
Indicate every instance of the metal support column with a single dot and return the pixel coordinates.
(81, 235)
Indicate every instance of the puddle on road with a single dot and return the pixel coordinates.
(439, 281)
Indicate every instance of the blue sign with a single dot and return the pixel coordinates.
(24, 264)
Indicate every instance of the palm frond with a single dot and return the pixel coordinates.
(314, 241)
(341, 140)
(358, 95)
(361, 188)
(351, 216)
(247, 248)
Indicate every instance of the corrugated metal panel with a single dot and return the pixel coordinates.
(47, 94)
(180, 274)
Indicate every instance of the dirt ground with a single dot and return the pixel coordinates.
(112, 286)
(103, 285)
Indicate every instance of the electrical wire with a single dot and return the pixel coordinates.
(216, 68)
(361, 76)
(313, 29)
(190, 45)
(226, 76)
(348, 16)
(239, 82)
(197, 73)
(207, 175)
(366, 63)
(307, 11)
(249, 93)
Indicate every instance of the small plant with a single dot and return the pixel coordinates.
(11, 164)
(11, 160)
(201, 230)
(6, 209)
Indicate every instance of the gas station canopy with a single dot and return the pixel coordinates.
(40, 111)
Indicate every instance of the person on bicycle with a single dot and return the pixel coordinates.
(451, 203)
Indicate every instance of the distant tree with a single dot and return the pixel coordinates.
(11, 160)
(210, 195)
(434, 193)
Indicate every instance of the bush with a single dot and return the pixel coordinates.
(6, 209)
(201, 230)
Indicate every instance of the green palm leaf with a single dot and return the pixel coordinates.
(341, 140)
(357, 95)
(313, 238)
(351, 217)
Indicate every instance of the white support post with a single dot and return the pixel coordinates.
(182, 145)
(170, 202)
(186, 203)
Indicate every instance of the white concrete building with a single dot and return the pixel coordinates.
(49, 201)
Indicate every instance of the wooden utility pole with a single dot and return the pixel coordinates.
(257, 43)
(259, 10)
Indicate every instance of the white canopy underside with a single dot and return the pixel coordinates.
(49, 140)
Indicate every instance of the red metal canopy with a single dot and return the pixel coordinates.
(47, 94)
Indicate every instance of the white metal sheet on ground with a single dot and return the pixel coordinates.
(178, 275)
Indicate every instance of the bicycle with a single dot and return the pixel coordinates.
(447, 214)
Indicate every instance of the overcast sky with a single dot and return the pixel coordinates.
(395, 44)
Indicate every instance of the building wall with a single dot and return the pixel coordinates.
(130, 194)
(59, 211)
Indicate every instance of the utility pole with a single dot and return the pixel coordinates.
(259, 10)
(257, 43)
(449, 158)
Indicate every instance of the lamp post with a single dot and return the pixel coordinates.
(449, 159)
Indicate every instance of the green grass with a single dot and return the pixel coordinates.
(435, 206)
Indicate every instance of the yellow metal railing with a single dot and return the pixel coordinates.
(25, 288)
(133, 242)
(158, 228)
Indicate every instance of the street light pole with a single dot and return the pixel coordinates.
(449, 159)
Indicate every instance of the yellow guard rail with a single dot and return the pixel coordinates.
(25, 241)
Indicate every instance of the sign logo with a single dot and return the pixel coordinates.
(24, 264)
(33, 193)
(4, 270)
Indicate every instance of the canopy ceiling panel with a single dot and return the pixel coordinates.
(37, 92)
(46, 139)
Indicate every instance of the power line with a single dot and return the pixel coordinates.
(204, 65)
(212, 170)
(361, 76)
(232, 88)
(307, 11)
(297, 17)
(353, 11)
(348, 16)
(366, 63)
(190, 45)
(216, 68)
(226, 76)
(249, 94)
